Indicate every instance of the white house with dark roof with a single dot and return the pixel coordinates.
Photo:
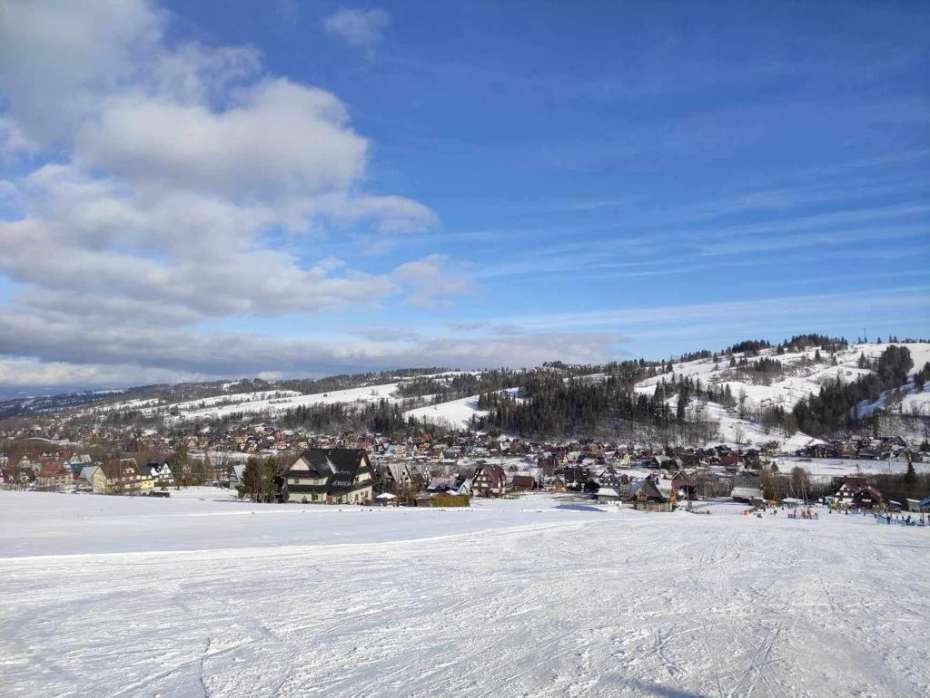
(330, 476)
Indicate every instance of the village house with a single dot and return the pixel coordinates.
(847, 488)
(157, 471)
(397, 478)
(120, 476)
(444, 483)
(684, 484)
(53, 475)
(645, 495)
(867, 498)
(331, 476)
(608, 477)
(523, 482)
(489, 481)
(729, 460)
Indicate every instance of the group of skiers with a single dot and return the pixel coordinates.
(902, 520)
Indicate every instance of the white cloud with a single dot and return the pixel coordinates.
(174, 182)
(432, 278)
(56, 58)
(31, 374)
(277, 140)
(362, 29)
(13, 142)
(58, 349)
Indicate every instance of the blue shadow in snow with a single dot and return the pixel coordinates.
(580, 507)
(654, 689)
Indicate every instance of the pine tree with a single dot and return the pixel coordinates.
(177, 461)
(252, 480)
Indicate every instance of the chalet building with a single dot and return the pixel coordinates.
(331, 476)
(120, 476)
(867, 498)
(158, 471)
(685, 484)
(847, 488)
(729, 460)
(574, 476)
(489, 481)
(608, 477)
(646, 495)
(660, 462)
(397, 478)
(443, 483)
(53, 475)
(523, 482)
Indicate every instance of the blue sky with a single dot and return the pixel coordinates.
(238, 188)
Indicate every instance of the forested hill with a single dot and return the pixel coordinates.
(811, 386)
(806, 386)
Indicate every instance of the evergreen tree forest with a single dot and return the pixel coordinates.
(834, 408)
(550, 404)
(381, 417)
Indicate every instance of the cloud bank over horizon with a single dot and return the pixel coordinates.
(187, 196)
(150, 178)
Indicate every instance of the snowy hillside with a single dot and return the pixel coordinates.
(906, 400)
(270, 402)
(193, 598)
(751, 388)
(455, 414)
(786, 392)
(804, 376)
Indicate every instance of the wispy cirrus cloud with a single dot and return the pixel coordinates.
(818, 307)
(361, 29)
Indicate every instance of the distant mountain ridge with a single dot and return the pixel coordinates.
(749, 391)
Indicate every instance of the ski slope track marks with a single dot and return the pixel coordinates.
(513, 598)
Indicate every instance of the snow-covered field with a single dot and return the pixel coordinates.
(825, 468)
(201, 597)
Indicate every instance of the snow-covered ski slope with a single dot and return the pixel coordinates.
(512, 598)
(455, 414)
(792, 388)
